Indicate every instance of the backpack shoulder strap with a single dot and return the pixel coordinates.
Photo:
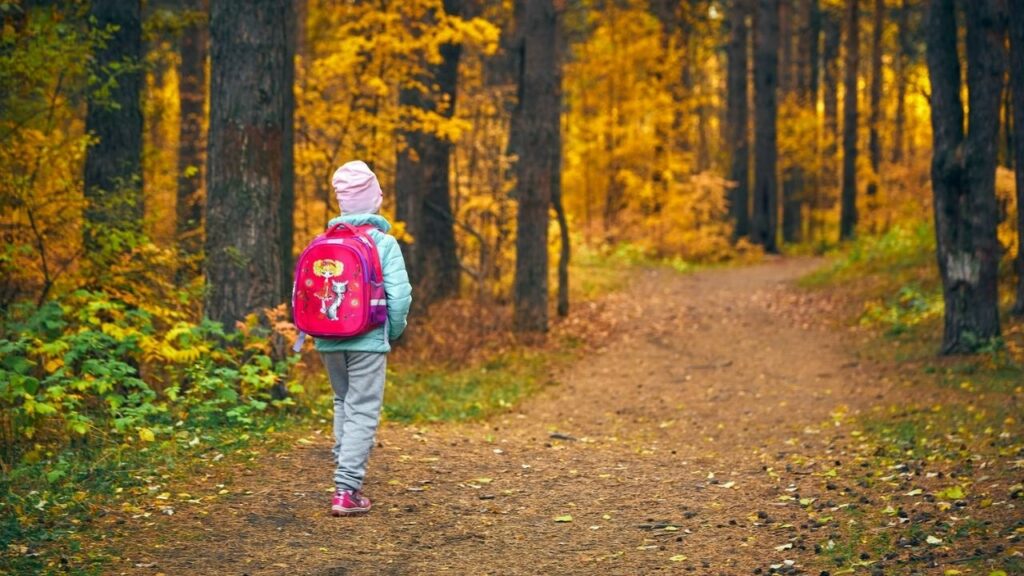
(363, 232)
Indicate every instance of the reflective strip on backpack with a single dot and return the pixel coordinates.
(378, 302)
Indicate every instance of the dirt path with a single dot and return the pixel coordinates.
(660, 446)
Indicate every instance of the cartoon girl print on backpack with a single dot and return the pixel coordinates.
(332, 294)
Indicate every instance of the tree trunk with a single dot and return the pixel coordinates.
(766, 43)
(565, 254)
(830, 73)
(737, 116)
(1017, 105)
(113, 165)
(191, 137)
(538, 112)
(286, 226)
(786, 35)
(422, 181)
(963, 169)
(830, 65)
(903, 57)
(875, 118)
(246, 167)
(793, 67)
(812, 47)
(1006, 132)
(848, 207)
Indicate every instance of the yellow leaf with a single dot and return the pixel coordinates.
(566, 518)
(677, 558)
(146, 435)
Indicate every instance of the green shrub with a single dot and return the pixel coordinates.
(90, 367)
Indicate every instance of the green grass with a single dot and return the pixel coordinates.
(901, 251)
(435, 394)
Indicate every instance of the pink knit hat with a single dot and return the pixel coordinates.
(357, 189)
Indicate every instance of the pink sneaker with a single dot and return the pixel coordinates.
(346, 502)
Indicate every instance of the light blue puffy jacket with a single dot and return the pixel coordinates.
(396, 286)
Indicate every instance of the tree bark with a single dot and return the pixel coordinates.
(812, 46)
(737, 116)
(793, 67)
(113, 165)
(246, 165)
(1016, 20)
(422, 182)
(786, 37)
(963, 169)
(848, 204)
(538, 115)
(286, 228)
(766, 43)
(903, 57)
(875, 115)
(191, 136)
(830, 66)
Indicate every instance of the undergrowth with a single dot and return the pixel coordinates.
(939, 470)
(107, 402)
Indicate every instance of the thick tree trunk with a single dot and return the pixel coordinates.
(875, 115)
(963, 169)
(191, 136)
(906, 49)
(422, 182)
(766, 43)
(1017, 95)
(538, 117)
(737, 116)
(113, 165)
(848, 200)
(246, 168)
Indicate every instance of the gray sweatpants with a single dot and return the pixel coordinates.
(358, 382)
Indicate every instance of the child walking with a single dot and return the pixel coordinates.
(356, 366)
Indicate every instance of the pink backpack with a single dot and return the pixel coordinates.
(339, 288)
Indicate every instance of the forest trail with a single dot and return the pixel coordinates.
(659, 445)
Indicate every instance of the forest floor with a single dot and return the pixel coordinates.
(729, 425)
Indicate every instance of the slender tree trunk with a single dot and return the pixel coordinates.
(538, 112)
(191, 137)
(832, 31)
(848, 207)
(830, 66)
(565, 253)
(875, 118)
(903, 57)
(113, 165)
(792, 67)
(286, 227)
(737, 118)
(422, 182)
(245, 167)
(1006, 128)
(1017, 105)
(963, 169)
(787, 31)
(813, 48)
(766, 43)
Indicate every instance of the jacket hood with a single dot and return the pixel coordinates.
(380, 222)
